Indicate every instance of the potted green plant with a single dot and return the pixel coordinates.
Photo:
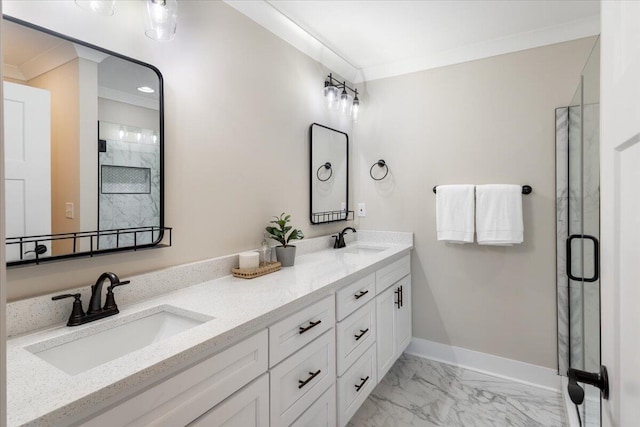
(283, 233)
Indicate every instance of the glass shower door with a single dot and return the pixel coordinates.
(582, 249)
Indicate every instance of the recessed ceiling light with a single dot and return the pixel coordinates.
(146, 89)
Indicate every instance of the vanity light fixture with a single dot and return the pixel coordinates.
(162, 19)
(331, 88)
(102, 7)
(146, 89)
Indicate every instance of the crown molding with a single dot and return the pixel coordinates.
(275, 21)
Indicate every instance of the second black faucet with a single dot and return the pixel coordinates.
(339, 243)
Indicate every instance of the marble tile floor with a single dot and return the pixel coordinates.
(421, 392)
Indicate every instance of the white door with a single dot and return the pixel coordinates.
(620, 210)
(27, 145)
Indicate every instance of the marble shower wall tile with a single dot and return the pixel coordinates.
(562, 232)
(117, 211)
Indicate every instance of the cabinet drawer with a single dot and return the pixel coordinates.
(322, 413)
(355, 335)
(355, 385)
(183, 397)
(393, 272)
(247, 408)
(299, 329)
(354, 296)
(299, 380)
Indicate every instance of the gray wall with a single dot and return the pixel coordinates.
(486, 121)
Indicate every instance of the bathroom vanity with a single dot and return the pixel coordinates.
(303, 346)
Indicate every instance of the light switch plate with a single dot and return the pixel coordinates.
(362, 209)
(68, 210)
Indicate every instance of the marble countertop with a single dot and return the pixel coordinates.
(40, 394)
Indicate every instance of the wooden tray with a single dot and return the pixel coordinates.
(250, 273)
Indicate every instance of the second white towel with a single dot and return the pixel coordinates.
(454, 213)
(499, 214)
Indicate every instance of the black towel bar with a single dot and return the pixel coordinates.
(526, 189)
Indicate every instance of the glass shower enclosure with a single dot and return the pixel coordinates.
(578, 234)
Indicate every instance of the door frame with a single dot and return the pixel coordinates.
(3, 272)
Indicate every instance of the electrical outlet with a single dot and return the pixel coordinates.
(362, 209)
(68, 210)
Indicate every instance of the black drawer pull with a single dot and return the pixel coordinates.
(361, 334)
(361, 294)
(364, 381)
(311, 325)
(397, 302)
(313, 375)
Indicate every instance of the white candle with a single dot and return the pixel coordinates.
(249, 260)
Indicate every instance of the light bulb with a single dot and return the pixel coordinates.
(121, 133)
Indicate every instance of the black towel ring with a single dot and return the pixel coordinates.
(326, 166)
(380, 163)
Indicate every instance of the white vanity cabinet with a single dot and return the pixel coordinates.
(183, 397)
(247, 408)
(312, 368)
(393, 316)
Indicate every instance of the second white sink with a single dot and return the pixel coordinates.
(108, 341)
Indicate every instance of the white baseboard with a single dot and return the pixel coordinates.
(497, 366)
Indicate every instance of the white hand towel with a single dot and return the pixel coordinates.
(454, 213)
(499, 215)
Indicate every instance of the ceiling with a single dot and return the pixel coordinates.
(367, 40)
(28, 53)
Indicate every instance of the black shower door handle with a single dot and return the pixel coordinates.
(596, 258)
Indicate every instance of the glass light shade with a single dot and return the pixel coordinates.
(355, 109)
(331, 94)
(102, 7)
(162, 19)
(344, 102)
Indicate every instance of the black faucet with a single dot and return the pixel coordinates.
(339, 243)
(95, 311)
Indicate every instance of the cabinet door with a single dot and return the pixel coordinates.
(402, 314)
(322, 413)
(247, 408)
(385, 325)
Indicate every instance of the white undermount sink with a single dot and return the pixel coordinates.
(87, 348)
(363, 250)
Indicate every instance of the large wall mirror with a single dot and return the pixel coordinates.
(329, 175)
(83, 147)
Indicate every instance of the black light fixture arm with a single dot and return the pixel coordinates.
(340, 85)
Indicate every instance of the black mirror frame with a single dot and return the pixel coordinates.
(162, 228)
(312, 174)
